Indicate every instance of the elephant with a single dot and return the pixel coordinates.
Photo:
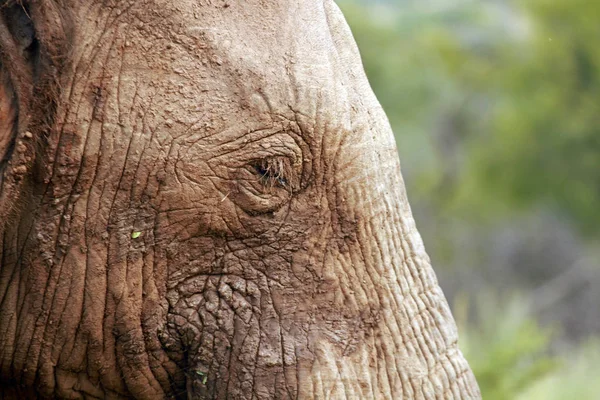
(202, 199)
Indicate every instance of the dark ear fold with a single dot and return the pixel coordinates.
(34, 49)
(18, 55)
(7, 113)
(18, 21)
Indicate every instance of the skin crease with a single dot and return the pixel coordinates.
(204, 201)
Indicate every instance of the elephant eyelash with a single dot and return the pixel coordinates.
(274, 171)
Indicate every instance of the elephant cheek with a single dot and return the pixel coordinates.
(216, 326)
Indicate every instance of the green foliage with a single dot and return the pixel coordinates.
(507, 349)
(511, 355)
(577, 379)
(495, 104)
(544, 134)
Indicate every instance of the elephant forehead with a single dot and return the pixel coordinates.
(271, 56)
(258, 32)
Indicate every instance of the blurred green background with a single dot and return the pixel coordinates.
(496, 109)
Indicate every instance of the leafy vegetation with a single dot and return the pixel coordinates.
(506, 92)
(576, 379)
(507, 349)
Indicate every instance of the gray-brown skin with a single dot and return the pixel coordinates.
(203, 199)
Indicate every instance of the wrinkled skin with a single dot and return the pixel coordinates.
(202, 199)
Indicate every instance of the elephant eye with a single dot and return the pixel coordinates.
(274, 171)
(265, 185)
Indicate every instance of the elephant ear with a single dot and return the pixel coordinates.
(33, 54)
(18, 51)
(7, 114)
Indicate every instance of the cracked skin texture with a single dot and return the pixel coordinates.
(202, 199)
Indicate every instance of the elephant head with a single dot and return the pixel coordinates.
(203, 199)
